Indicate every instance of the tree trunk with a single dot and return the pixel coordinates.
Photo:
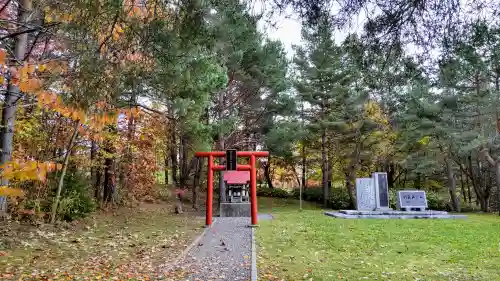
(497, 178)
(484, 204)
(166, 168)
(183, 151)
(97, 184)
(351, 173)
(93, 156)
(222, 185)
(95, 171)
(462, 186)
(469, 194)
(267, 173)
(109, 171)
(63, 172)
(304, 180)
(417, 183)
(196, 181)
(483, 192)
(330, 171)
(173, 152)
(324, 169)
(350, 188)
(128, 159)
(452, 186)
(13, 93)
(390, 175)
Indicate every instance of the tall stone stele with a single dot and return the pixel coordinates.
(365, 194)
(381, 192)
(372, 194)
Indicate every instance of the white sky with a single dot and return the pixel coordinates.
(287, 26)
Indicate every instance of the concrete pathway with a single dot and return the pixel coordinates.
(224, 252)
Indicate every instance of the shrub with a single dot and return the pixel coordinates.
(437, 202)
(312, 194)
(339, 199)
(272, 192)
(75, 201)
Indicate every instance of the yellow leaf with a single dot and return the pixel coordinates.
(42, 67)
(1, 80)
(48, 19)
(425, 140)
(118, 28)
(12, 192)
(8, 173)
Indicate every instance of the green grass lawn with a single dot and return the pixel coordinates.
(308, 245)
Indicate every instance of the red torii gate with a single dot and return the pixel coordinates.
(253, 178)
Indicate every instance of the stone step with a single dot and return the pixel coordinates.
(392, 213)
(394, 216)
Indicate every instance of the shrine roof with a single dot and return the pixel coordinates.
(236, 177)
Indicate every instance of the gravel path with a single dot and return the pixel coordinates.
(224, 252)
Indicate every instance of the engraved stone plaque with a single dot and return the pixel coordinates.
(381, 190)
(365, 194)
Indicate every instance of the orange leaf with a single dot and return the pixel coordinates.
(24, 71)
(31, 68)
(3, 55)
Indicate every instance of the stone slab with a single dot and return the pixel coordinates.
(392, 213)
(235, 209)
(381, 190)
(253, 270)
(400, 216)
(265, 217)
(411, 199)
(365, 194)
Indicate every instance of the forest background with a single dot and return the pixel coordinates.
(105, 102)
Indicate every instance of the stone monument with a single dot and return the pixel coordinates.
(381, 191)
(410, 200)
(373, 202)
(365, 194)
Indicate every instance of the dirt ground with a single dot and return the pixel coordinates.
(122, 244)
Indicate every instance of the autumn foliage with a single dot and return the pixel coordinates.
(70, 119)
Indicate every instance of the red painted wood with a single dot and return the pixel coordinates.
(210, 191)
(253, 178)
(237, 177)
(238, 153)
(250, 153)
(213, 153)
(239, 167)
(253, 190)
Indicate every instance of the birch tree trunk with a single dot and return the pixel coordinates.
(13, 93)
(63, 172)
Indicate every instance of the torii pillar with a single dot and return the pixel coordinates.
(253, 177)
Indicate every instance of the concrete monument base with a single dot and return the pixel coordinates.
(235, 209)
(353, 214)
